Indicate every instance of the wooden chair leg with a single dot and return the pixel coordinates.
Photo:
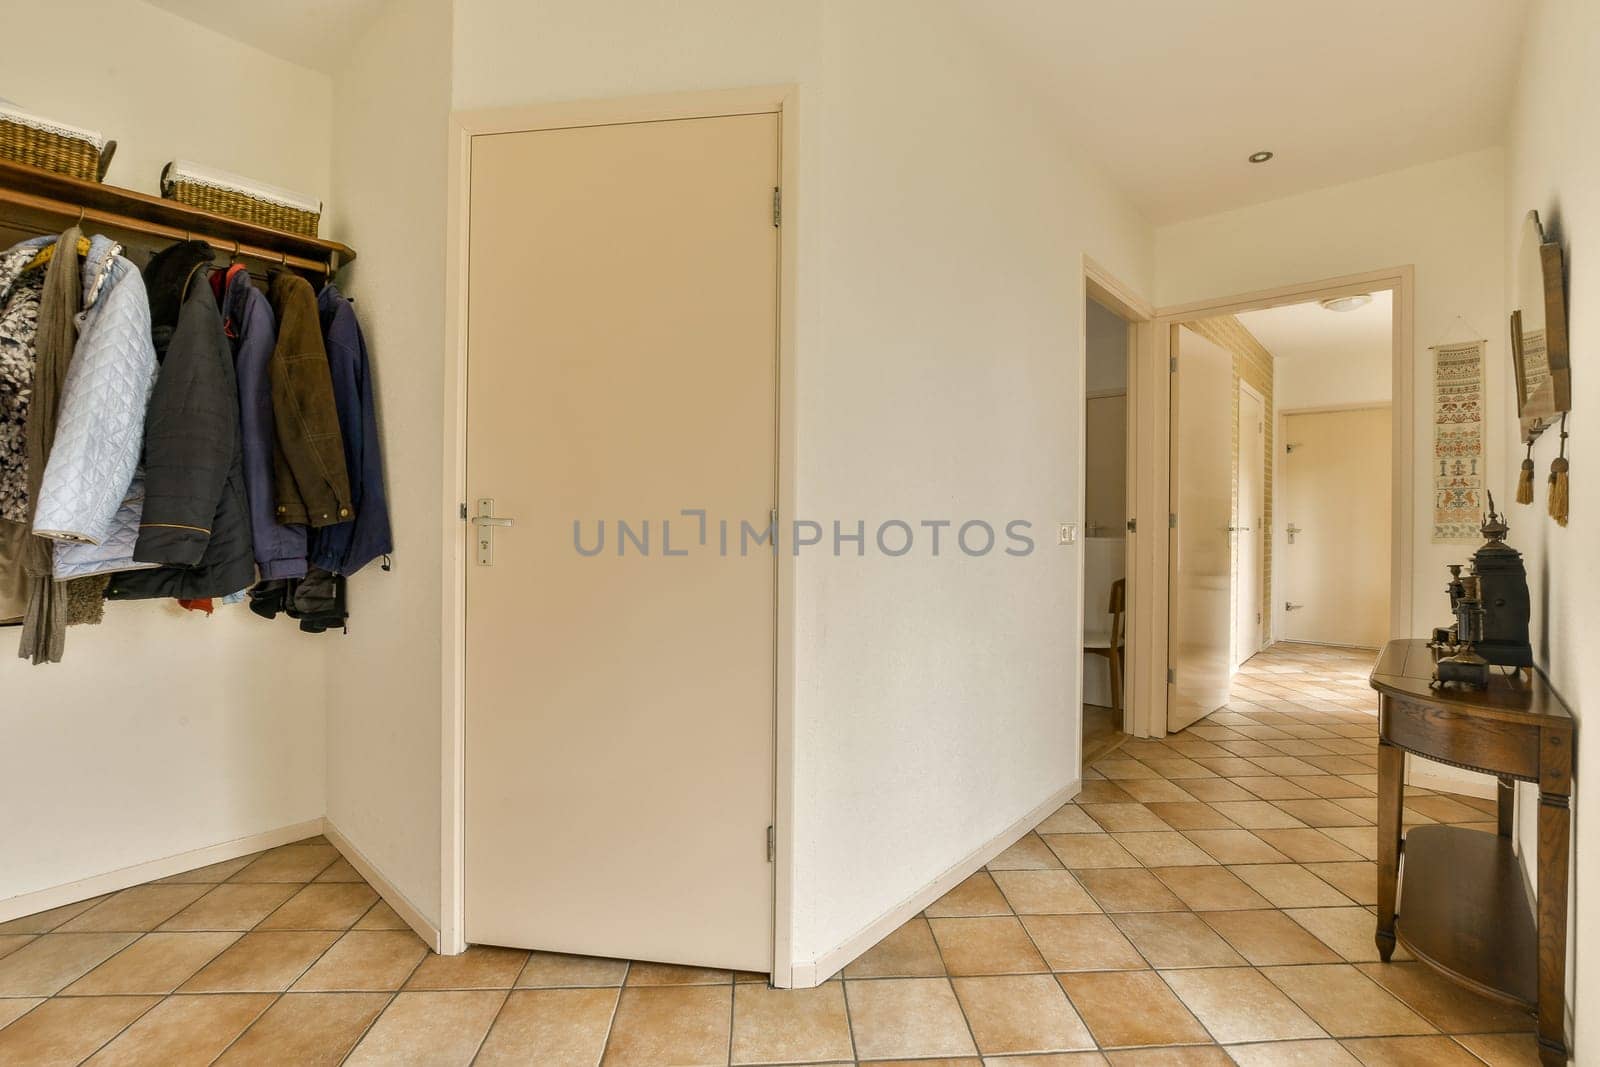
(1114, 658)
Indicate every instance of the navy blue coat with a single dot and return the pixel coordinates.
(247, 316)
(346, 547)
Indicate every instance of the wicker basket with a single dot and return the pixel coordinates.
(237, 204)
(53, 148)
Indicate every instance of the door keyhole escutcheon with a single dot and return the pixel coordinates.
(486, 521)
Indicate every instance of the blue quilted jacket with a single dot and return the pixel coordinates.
(89, 497)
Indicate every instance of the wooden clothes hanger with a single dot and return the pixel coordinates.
(48, 252)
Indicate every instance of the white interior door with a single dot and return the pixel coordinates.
(1336, 500)
(1248, 526)
(622, 368)
(1201, 550)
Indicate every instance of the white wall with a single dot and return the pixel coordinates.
(164, 88)
(1442, 218)
(937, 702)
(941, 223)
(392, 102)
(161, 731)
(1553, 165)
(1363, 380)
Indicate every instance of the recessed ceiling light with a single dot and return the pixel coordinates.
(1260, 157)
(1346, 303)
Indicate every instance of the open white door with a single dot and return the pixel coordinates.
(1201, 557)
(1249, 526)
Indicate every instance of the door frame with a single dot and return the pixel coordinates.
(782, 100)
(1154, 588)
(1104, 288)
(1264, 627)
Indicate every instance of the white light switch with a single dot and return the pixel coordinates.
(1069, 533)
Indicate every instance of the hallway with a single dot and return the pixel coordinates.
(1209, 889)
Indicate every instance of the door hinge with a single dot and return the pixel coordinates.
(1172, 520)
(1258, 618)
(1172, 676)
(772, 844)
(1172, 364)
(777, 206)
(463, 511)
(1133, 525)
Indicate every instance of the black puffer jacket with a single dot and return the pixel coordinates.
(196, 522)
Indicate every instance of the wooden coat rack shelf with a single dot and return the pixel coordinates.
(46, 202)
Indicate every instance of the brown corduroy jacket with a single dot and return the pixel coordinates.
(312, 484)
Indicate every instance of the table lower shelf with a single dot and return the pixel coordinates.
(1465, 912)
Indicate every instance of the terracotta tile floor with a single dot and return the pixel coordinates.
(1207, 900)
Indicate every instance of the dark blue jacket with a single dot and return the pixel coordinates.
(247, 315)
(346, 547)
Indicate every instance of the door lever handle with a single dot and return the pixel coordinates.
(486, 520)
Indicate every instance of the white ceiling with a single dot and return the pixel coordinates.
(312, 33)
(1170, 96)
(1310, 331)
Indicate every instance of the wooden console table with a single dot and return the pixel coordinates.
(1464, 909)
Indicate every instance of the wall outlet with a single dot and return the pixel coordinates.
(1068, 533)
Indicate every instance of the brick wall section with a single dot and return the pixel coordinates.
(1252, 363)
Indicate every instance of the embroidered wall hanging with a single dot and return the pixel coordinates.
(1457, 441)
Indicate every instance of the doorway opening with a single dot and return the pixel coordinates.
(1283, 485)
(1331, 486)
(1107, 339)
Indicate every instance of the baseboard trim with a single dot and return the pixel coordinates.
(148, 871)
(807, 974)
(386, 889)
(1327, 644)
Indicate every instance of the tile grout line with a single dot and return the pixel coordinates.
(114, 1036)
(945, 967)
(394, 995)
(505, 999)
(278, 997)
(1055, 975)
(605, 1046)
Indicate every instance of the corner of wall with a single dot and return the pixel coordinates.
(391, 110)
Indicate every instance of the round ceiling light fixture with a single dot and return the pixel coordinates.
(1346, 303)
(1260, 157)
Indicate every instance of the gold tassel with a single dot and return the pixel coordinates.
(1558, 491)
(1525, 479)
(1558, 479)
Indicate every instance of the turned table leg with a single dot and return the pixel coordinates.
(1391, 796)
